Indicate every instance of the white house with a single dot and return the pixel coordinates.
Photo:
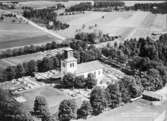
(69, 65)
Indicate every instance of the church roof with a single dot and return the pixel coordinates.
(89, 66)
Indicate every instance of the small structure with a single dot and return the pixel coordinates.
(69, 65)
(151, 96)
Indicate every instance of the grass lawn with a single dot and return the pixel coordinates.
(52, 95)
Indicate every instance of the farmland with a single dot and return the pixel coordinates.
(21, 34)
(127, 24)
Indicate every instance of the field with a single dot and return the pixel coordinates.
(21, 34)
(126, 24)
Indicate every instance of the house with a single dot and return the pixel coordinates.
(69, 65)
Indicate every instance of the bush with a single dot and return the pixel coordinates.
(68, 80)
(80, 82)
(67, 110)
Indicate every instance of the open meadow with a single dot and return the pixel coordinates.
(126, 24)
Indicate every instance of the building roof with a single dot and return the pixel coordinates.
(70, 59)
(89, 66)
(140, 110)
(68, 49)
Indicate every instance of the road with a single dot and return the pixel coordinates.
(41, 28)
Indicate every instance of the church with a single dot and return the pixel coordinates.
(69, 65)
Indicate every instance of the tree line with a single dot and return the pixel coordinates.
(152, 7)
(28, 68)
(31, 49)
(94, 38)
(45, 16)
(71, 81)
(86, 6)
(80, 7)
(105, 4)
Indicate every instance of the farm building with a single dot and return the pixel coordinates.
(69, 65)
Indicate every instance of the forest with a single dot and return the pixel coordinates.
(145, 58)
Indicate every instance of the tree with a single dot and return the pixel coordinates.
(26, 68)
(68, 80)
(85, 110)
(10, 72)
(80, 82)
(40, 107)
(20, 71)
(124, 91)
(113, 95)
(67, 110)
(47, 118)
(11, 110)
(56, 62)
(98, 100)
(47, 64)
(32, 67)
(91, 81)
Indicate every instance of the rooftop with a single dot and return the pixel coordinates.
(89, 66)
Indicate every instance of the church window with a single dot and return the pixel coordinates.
(64, 64)
(71, 64)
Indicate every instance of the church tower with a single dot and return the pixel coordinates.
(69, 64)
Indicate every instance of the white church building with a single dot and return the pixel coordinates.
(69, 65)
